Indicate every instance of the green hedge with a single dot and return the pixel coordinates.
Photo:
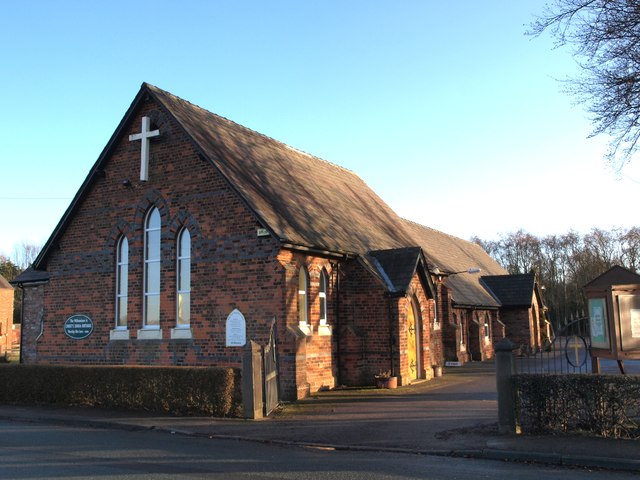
(176, 390)
(602, 405)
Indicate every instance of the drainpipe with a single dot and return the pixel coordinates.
(21, 287)
(391, 336)
(336, 292)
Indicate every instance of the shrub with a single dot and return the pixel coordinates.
(603, 405)
(175, 390)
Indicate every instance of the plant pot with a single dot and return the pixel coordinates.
(387, 382)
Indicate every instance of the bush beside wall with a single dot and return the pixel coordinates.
(175, 390)
(601, 405)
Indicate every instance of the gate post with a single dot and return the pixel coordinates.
(505, 368)
(252, 380)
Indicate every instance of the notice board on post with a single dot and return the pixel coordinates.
(614, 314)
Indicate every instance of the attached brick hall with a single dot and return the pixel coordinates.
(187, 217)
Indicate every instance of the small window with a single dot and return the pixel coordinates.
(303, 308)
(323, 297)
(122, 282)
(184, 280)
(487, 327)
(152, 270)
(436, 320)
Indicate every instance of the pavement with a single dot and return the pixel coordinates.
(454, 415)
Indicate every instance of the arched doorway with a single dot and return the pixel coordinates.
(413, 343)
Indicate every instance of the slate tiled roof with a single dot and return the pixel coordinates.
(512, 290)
(30, 276)
(397, 266)
(453, 254)
(616, 275)
(304, 200)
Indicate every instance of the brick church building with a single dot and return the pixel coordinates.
(192, 234)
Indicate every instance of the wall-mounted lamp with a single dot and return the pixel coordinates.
(126, 183)
(437, 271)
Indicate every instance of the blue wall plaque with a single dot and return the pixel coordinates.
(78, 327)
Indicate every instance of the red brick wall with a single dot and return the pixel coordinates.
(373, 328)
(231, 267)
(498, 328)
(365, 341)
(6, 319)
(477, 347)
(312, 358)
(519, 325)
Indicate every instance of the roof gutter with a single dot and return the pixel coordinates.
(477, 307)
(320, 251)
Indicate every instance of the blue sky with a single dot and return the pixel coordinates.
(446, 109)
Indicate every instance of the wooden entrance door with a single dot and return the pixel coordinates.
(413, 353)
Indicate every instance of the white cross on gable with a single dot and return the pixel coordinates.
(144, 135)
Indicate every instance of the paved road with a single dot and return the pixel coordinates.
(29, 451)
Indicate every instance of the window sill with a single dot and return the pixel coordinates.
(324, 330)
(181, 334)
(119, 334)
(301, 330)
(150, 334)
(306, 329)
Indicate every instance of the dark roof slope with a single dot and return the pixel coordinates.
(31, 276)
(397, 266)
(303, 199)
(512, 290)
(616, 275)
(453, 254)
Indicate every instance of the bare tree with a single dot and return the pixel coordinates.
(605, 36)
(25, 254)
(520, 252)
(630, 246)
(565, 263)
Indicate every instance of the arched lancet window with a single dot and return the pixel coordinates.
(324, 282)
(122, 282)
(303, 288)
(487, 327)
(152, 269)
(184, 280)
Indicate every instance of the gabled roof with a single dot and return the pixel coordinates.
(303, 200)
(396, 267)
(616, 275)
(453, 254)
(512, 290)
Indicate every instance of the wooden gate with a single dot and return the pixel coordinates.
(271, 396)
